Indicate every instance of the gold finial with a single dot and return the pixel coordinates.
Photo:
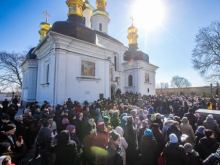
(101, 4)
(132, 19)
(75, 7)
(46, 15)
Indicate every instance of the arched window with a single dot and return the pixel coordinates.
(130, 80)
(100, 27)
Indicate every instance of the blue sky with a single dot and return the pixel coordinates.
(169, 46)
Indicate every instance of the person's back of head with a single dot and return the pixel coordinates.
(190, 110)
(46, 123)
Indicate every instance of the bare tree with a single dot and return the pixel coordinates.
(180, 82)
(206, 54)
(10, 74)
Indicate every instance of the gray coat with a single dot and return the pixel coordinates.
(211, 124)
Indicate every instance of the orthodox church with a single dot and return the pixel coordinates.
(78, 59)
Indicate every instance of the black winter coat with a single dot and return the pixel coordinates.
(207, 146)
(212, 160)
(148, 150)
(193, 158)
(174, 154)
(114, 156)
(65, 149)
(197, 139)
(160, 141)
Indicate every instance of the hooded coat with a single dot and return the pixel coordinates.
(148, 150)
(65, 149)
(211, 124)
(174, 154)
(206, 147)
(131, 138)
(187, 129)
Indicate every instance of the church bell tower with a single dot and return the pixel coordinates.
(100, 18)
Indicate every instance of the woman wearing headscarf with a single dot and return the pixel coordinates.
(131, 138)
(65, 149)
(114, 152)
(186, 128)
(148, 149)
(200, 133)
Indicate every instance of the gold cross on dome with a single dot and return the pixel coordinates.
(46, 15)
(132, 19)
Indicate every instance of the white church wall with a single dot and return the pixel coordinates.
(87, 13)
(98, 19)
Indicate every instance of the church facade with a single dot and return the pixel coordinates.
(78, 59)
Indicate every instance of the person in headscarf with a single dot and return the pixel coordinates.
(200, 133)
(114, 152)
(186, 128)
(193, 156)
(100, 143)
(207, 145)
(148, 149)
(65, 149)
(123, 144)
(131, 138)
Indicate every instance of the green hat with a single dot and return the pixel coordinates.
(184, 120)
(106, 118)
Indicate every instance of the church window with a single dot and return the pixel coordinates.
(100, 27)
(148, 90)
(47, 73)
(130, 80)
(147, 78)
(115, 63)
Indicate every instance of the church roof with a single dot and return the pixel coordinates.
(107, 36)
(30, 55)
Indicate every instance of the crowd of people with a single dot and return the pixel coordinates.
(128, 129)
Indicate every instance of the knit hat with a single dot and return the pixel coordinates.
(5, 117)
(188, 147)
(65, 121)
(173, 138)
(201, 129)
(3, 147)
(1, 159)
(148, 132)
(184, 120)
(208, 133)
(9, 127)
(210, 116)
(170, 116)
(70, 128)
(114, 135)
(106, 118)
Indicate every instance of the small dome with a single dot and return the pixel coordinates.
(30, 55)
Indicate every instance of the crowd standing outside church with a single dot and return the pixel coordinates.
(127, 129)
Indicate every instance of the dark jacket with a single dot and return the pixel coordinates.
(213, 159)
(29, 121)
(78, 124)
(140, 134)
(193, 158)
(192, 119)
(65, 149)
(174, 154)
(131, 138)
(197, 139)
(44, 138)
(206, 147)
(160, 141)
(148, 150)
(174, 129)
(115, 120)
(211, 124)
(113, 157)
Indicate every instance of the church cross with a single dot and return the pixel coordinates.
(46, 15)
(132, 19)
